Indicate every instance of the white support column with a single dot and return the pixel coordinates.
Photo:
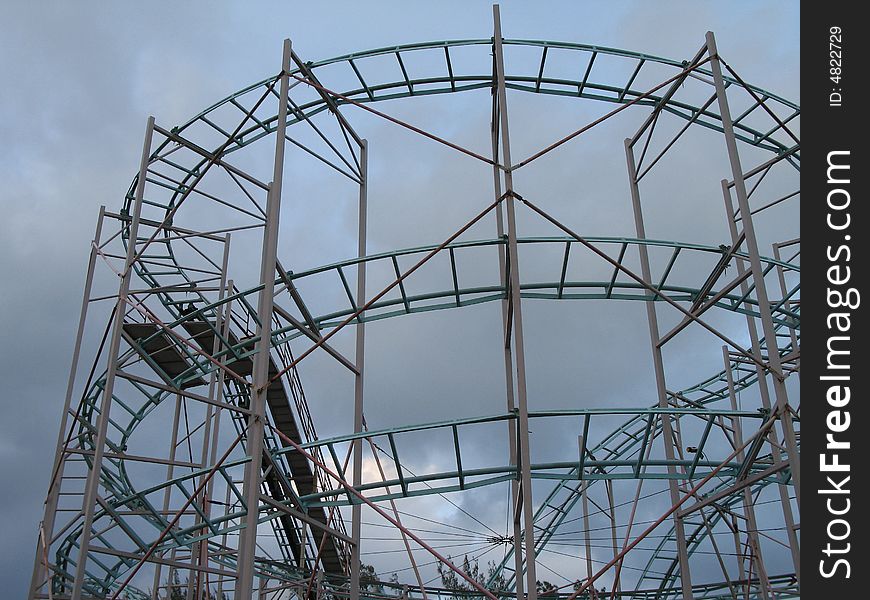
(167, 492)
(93, 480)
(517, 324)
(658, 365)
(764, 393)
(199, 552)
(587, 540)
(260, 379)
(748, 508)
(519, 585)
(773, 358)
(356, 509)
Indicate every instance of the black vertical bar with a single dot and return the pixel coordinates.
(833, 174)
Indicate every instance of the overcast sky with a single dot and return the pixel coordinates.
(80, 79)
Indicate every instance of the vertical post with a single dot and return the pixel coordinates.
(199, 552)
(318, 584)
(517, 324)
(40, 569)
(611, 505)
(658, 365)
(738, 554)
(227, 510)
(359, 358)
(519, 586)
(709, 527)
(748, 509)
(93, 480)
(774, 362)
(222, 323)
(780, 273)
(586, 531)
(260, 379)
(167, 493)
(764, 392)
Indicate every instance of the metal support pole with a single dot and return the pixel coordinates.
(748, 509)
(709, 527)
(608, 484)
(738, 553)
(783, 289)
(517, 325)
(199, 552)
(768, 328)
(658, 364)
(227, 510)
(319, 585)
(40, 569)
(222, 324)
(356, 509)
(519, 586)
(89, 500)
(167, 493)
(764, 392)
(586, 529)
(260, 380)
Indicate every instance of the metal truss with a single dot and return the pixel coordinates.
(190, 448)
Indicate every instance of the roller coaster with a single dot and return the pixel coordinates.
(187, 446)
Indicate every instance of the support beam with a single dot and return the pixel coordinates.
(260, 379)
(89, 500)
(167, 493)
(764, 393)
(199, 552)
(774, 360)
(587, 539)
(524, 460)
(659, 368)
(359, 357)
(519, 585)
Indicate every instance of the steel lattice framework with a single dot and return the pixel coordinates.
(188, 446)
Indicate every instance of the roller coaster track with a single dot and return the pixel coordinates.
(183, 360)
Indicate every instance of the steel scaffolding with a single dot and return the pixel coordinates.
(187, 449)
